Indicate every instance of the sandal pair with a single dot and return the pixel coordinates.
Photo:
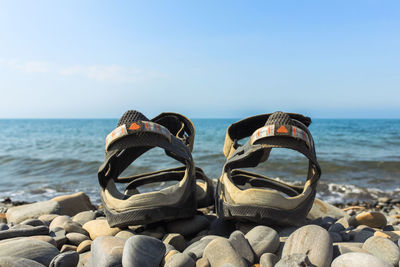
(240, 194)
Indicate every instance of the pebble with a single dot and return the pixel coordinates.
(220, 252)
(345, 236)
(18, 262)
(59, 221)
(58, 234)
(296, 259)
(287, 231)
(374, 219)
(392, 235)
(395, 201)
(197, 248)
(48, 217)
(10, 233)
(383, 248)
(66, 259)
(169, 254)
(36, 250)
(322, 209)
(280, 249)
(339, 225)
(268, 260)
(84, 246)
(180, 260)
(242, 246)
(84, 216)
(106, 251)
(125, 234)
(34, 222)
(157, 232)
(312, 240)
(176, 240)
(74, 227)
(194, 239)
(361, 235)
(335, 237)
(76, 238)
(97, 228)
(30, 211)
(3, 226)
(346, 247)
(202, 233)
(73, 204)
(364, 227)
(357, 259)
(324, 222)
(351, 212)
(221, 227)
(84, 259)
(202, 262)
(388, 228)
(20, 227)
(263, 239)
(384, 199)
(168, 248)
(144, 251)
(245, 227)
(188, 227)
(45, 238)
(67, 247)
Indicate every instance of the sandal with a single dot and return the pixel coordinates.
(134, 136)
(248, 196)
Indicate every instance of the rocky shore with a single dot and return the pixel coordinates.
(70, 231)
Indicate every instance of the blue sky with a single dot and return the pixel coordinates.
(96, 59)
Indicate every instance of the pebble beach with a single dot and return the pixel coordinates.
(69, 230)
(199, 134)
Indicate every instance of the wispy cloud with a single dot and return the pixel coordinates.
(99, 73)
(29, 66)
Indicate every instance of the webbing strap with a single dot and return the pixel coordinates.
(246, 127)
(267, 131)
(180, 126)
(283, 130)
(170, 131)
(138, 128)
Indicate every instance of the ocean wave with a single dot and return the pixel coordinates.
(346, 193)
(37, 166)
(331, 192)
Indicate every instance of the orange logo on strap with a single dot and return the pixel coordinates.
(282, 129)
(134, 126)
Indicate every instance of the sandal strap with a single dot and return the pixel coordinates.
(179, 126)
(277, 130)
(170, 131)
(246, 127)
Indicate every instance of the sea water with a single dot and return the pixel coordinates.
(43, 158)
